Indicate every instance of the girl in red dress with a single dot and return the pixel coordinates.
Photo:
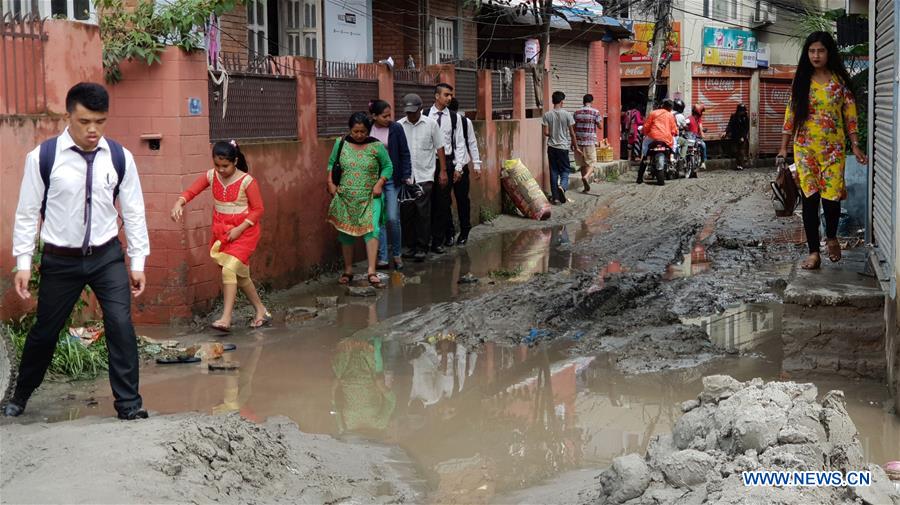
(235, 227)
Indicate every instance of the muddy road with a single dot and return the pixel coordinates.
(648, 257)
(578, 343)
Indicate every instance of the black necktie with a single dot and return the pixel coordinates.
(89, 177)
(440, 116)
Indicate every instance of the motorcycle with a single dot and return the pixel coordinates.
(692, 157)
(659, 161)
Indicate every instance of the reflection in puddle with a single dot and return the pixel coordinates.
(477, 422)
(695, 262)
(741, 328)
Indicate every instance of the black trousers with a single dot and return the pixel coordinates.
(63, 278)
(811, 221)
(441, 202)
(415, 219)
(460, 191)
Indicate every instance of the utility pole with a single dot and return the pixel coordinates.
(662, 29)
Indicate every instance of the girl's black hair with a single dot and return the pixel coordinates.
(231, 152)
(377, 107)
(360, 118)
(803, 77)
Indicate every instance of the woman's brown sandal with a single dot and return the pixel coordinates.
(811, 264)
(834, 250)
(375, 281)
(345, 279)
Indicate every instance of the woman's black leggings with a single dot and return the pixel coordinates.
(811, 219)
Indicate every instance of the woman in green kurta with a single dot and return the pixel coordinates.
(356, 187)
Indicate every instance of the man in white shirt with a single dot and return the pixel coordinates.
(454, 151)
(426, 148)
(85, 172)
(471, 160)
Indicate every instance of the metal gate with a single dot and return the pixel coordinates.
(773, 100)
(884, 121)
(720, 95)
(341, 90)
(467, 88)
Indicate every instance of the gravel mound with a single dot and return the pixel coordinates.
(735, 427)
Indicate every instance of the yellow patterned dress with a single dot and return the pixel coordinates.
(820, 143)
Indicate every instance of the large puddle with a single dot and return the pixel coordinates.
(482, 422)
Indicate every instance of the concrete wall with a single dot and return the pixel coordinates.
(153, 102)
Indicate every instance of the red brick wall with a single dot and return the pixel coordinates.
(395, 31)
(234, 30)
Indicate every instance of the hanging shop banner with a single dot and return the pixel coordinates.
(638, 50)
(729, 47)
(762, 56)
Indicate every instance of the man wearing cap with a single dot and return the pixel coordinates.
(426, 148)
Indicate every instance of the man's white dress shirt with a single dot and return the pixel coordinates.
(453, 146)
(472, 150)
(424, 139)
(64, 217)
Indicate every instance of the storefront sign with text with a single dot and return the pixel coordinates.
(729, 47)
(639, 49)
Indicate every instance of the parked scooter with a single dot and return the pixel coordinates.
(659, 161)
(692, 158)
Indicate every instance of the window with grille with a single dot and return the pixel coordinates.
(443, 41)
(257, 28)
(300, 22)
(75, 10)
(722, 10)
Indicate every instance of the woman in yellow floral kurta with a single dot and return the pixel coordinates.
(820, 117)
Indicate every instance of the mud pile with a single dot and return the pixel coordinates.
(193, 458)
(735, 427)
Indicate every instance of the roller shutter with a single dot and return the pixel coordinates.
(720, 96)
(884, 151)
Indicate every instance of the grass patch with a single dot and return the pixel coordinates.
(487, 215)
(506, 274)
(71, 359)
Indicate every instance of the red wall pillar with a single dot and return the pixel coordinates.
(519, 94)
(386, 85)
(597, 73)
(485, 100)
(614, 93)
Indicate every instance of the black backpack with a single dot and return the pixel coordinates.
(48, 157)
(453, 117)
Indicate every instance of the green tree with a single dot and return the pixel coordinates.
(145, 31)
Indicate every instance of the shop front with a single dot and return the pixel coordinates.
(720, 90)
(774, 93)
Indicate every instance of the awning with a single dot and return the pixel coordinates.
(565, 14)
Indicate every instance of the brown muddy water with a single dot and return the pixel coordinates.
(477, 422)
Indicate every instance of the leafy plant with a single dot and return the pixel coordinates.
(486, 215)
(612, 176)
(506, 274)
(144, 31)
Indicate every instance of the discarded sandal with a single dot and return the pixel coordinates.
(175, 360)
(261, 321)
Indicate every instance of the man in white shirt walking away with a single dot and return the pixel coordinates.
(471, 160)
(73, 181)
(559, 128)
(426, 148)
(454, 151)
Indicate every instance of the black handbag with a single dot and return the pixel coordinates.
(409, 193)
(336, 170)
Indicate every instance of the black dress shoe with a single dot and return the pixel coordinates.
(449, 242)
(410, 254)
(133, 414)
(438, 250)
(13, 410)
(420, 256)
(463, 239)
